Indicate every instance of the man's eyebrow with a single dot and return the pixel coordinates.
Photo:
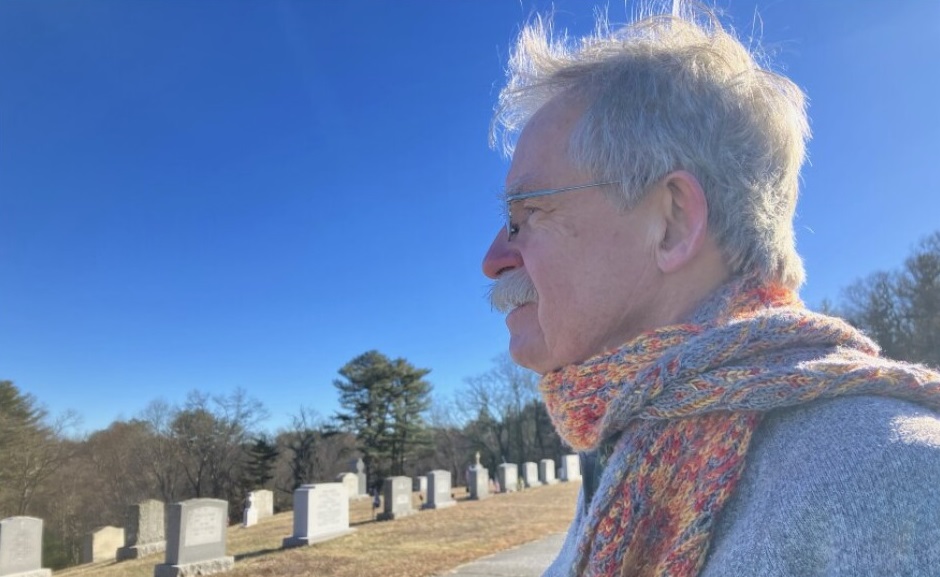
(513, 190)
(521, 187)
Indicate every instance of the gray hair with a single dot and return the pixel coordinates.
(671, 92)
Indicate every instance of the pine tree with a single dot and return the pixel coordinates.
(262, 456)
(383, 402)
(901, 309)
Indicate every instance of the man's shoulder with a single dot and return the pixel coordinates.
(847, 483)
(860, 450)
(855, 430)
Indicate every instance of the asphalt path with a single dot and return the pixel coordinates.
(528, 560)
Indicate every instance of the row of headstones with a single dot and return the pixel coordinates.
(508, 478)
(196, 529)
(195, 533)
(396, 491)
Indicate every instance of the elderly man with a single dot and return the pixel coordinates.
(649, 273)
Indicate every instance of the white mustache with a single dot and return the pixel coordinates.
(512, 289)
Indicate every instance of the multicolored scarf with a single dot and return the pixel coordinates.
(685, 401)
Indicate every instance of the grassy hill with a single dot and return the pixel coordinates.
(424, 544)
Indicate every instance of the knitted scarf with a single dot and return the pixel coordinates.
(685, 401)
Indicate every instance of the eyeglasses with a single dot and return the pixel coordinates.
(512, 229)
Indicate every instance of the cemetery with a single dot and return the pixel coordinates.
(197, 489)
(192, 537)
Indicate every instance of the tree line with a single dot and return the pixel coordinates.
(216, 446)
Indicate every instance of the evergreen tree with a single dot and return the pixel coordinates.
(262, 456)
(901, 309)
(383, 402)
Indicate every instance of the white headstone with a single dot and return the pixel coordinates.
(21, 547)
(419, 484)
(530, 474)
(321, 513)
(571, 468)
(263, 501)
(351, 482)
(439, 490)
(478, 481)
(547, 472)
(359, 468)
(396, 496)
(250, 512)
(102, 544)
(195, 540)
(508, 475)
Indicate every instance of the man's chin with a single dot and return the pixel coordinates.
(523, 359)
(528, 354)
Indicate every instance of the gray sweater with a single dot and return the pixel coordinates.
(847, 487)
(838, 488)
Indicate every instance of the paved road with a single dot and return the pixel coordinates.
(528, 560)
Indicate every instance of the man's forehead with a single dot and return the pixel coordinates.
(541, 157)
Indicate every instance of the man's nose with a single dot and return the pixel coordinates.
(501, 256)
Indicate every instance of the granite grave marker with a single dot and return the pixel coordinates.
(195, 539)
(144, 530)
(321, 513)
(439, 486)
(396, 496)
(21, 547)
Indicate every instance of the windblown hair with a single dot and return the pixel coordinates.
(675, 92)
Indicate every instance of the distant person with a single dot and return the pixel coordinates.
(648, 270)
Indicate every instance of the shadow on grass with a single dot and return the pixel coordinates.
(363, 522)
(258, 553)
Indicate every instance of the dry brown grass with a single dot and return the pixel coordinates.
(421, 545)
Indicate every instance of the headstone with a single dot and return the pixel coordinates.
(351, 482)
(144, 525)
(359, 468)
(439, 490)
(258, 505)
(102, 544)
(419, 484)
(547, 472)
(508, 475)
(478, 480)
(21, 547)
(396, 494)
(321, 513)
(570, 468)
(250, 512)
(530, 474)
(195, 539)
(263, 501)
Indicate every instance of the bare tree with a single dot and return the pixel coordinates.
(212, 434)
(158, 453)
(32, 447)
(310, 451)
(450, 444)
(501, 408)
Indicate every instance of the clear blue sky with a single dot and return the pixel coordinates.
(210, 195)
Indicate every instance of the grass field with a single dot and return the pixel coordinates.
(421, 545)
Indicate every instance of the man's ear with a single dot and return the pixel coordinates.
(685, 215)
